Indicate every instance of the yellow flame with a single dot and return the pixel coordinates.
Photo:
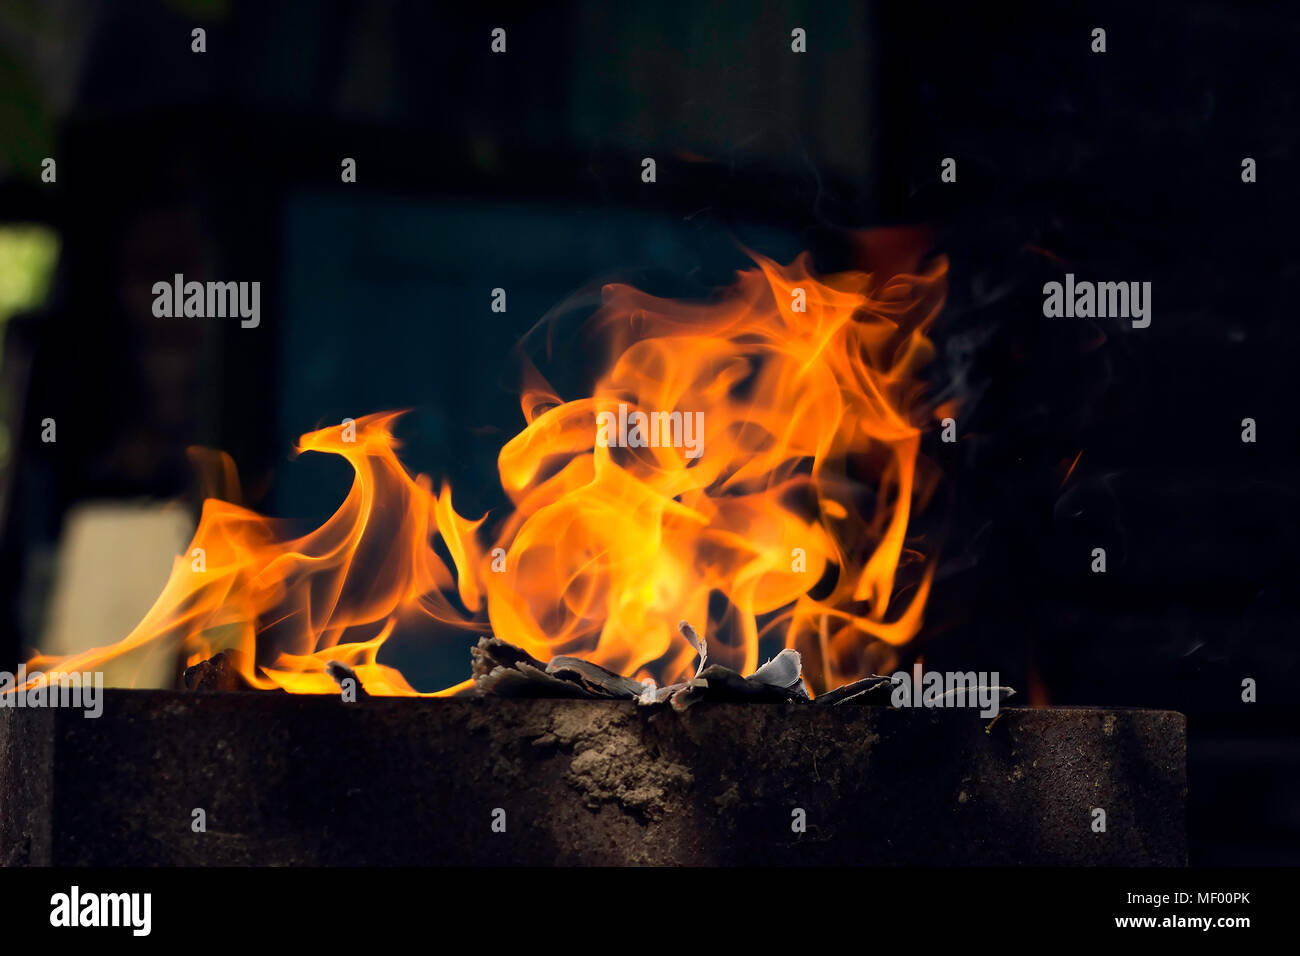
(794, 512)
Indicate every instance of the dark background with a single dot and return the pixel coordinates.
(523, 171)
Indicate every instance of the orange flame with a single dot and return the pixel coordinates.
(789, 518)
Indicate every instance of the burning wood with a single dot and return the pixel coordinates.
(346, 678)
(869, 690)
(503, 670)
(221, 672)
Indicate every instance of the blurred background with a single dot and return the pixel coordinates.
(477, 171)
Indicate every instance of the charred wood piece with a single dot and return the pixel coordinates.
(221, 672)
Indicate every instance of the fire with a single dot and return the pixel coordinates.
(774, 503)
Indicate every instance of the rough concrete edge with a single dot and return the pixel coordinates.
(26, 787)
(27, 800)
